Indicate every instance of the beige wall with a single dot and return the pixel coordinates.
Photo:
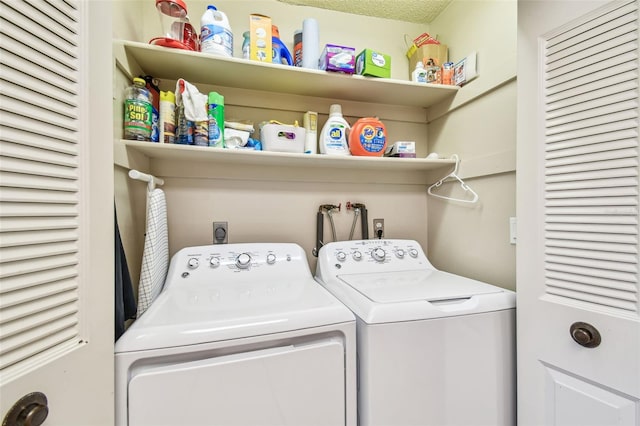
(479, 126)
(283, 209)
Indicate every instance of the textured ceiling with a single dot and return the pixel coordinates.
(418, 11)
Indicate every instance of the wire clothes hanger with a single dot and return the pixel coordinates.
(453, 175)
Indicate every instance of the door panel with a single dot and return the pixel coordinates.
(575, 400)
(578, 216)
(56, 209)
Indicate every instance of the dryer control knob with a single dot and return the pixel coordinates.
(357, 255)
(271, 258)
(243, 260)
(341, 256)
(378, 254)
(413, 253)
(399, 253)
(214, 262)
(193, 263)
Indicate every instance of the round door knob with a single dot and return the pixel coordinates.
(30, 410)
(585, 334)
(243, 261)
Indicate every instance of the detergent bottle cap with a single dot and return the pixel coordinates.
(274, 31)
(335, 110)
(212, 7)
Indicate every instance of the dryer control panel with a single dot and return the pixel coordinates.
(366, 256)
(239, 262)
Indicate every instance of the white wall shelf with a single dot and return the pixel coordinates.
(182, 161)
(164, 160)
(197, 67)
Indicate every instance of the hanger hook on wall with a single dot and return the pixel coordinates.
(463, 185)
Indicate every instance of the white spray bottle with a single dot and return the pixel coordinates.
(333, 138)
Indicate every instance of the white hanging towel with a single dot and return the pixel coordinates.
(155, 259)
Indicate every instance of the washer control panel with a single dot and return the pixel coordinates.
(359, 256)
(253, 261)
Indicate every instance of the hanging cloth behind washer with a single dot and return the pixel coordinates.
(125, 302)
(155, 258)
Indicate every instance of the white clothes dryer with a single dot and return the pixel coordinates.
(240, 335)
(434, 349)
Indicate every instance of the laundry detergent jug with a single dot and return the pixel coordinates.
(368, 137)
(281, 54)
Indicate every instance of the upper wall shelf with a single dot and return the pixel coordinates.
(197, 67)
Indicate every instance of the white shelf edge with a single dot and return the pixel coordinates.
(175, 152)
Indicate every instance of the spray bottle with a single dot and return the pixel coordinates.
(333, 138)
(215, 111)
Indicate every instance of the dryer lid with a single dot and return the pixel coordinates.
(408, 286)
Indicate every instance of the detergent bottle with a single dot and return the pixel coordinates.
(281, 54)
(333, 138)
(368, 137)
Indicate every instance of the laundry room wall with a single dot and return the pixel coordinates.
(263, 205)
(480, 126)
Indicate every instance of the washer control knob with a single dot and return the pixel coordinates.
(413, 253)
(341, 256)
(357, 255)
(243, 260)
(271, 258)
(399, 253)
(378, 254)
(193, 263)
(214, 262)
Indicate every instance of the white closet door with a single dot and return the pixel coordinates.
(56, 209)
(578, 193)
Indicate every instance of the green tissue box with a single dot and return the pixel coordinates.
(374, 64)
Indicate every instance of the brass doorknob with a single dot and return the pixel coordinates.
(30, 410)
(585, 334)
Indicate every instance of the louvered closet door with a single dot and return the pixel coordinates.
(579, 332)
(56, 240)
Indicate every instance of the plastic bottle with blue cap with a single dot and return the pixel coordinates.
(215, 33)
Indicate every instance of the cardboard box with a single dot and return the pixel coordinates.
(374, 64)
(438, 52)
(338, 58)
(260, 38)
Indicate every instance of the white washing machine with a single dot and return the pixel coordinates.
(434, 349)
(241, 335)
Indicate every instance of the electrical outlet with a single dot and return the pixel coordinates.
(220, 233)
(378, 228)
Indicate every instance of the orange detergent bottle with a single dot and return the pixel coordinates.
(368, 137)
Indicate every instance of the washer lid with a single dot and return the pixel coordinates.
(407, 286)
(188, 314)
